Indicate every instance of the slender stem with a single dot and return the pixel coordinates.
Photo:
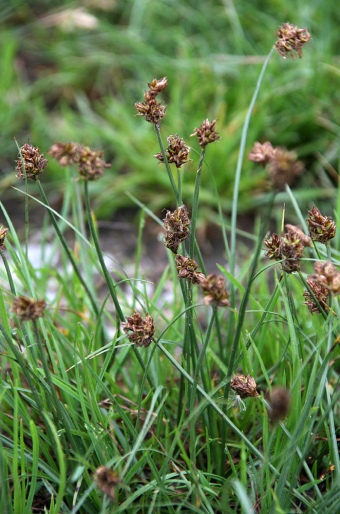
(67, 251)
(108, 278)
(242, 312)
(23, 365)
(195, 206)
(9, 274)
(167, 165)
(234, 211)
(179, 187)
(26, 215)
(239, 167)
(59, 414)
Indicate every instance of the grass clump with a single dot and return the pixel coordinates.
(71, 70)
(221, 399)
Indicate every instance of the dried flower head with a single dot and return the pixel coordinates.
(283, 168)
(291, 40)
(140, 331)
(152, 110)
(273, 243)
(214, 290)
(287, 248)
(244, 386)
(177, 225)
(187, 268)
(28, 308)
(292, 251)
(64, 153)
(279, 403)
(156, 86)
(328, 276)
(321, 228)
(262, 153)
(106, 480)
(89, 163)
(206, 133)
(299, 234)
(30, 162)
(177, 151)
(325, 281)
(317, 295)
(3, 232)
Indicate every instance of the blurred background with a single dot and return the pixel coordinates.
(72, 71)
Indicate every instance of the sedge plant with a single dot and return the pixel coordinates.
(221, 399)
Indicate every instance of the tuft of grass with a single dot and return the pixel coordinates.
(97, 417)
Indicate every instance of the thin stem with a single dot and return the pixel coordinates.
(26, 215)
(108, 278)
(60, 418)
(167, 165)
(9, 274)
(195, 205)
(67, 251)
(179, 187)
(242, 312)
(239, 167)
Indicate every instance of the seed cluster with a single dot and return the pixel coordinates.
(89, 163)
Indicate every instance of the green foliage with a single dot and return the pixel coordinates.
(91, 422)
(65, 76)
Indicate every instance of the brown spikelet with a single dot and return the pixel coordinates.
(30, 162)
(291, 40)
(106, 480)
(244, 386)
(28, 308)
(140, 331)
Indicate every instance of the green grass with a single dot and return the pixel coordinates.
(76, 394)
(81, 85)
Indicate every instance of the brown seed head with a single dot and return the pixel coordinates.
(156, 86)
(320, 292)
(244, 386)
(64, 153)
(152, 110)
(262, 153)
(206, 133)
(292, 251)
(28, 309)
(321, 228)
(177, 151)
(299, 234)
(177, 225)
(3, 232)
(187, 268)
(214, 290)
(273, 243)
(283, 168)
(291, 40)
(287, 248)
(30, 162)
(89, 163)
(106, 480)
(279, 403)
(140, 331)
(328, 275)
